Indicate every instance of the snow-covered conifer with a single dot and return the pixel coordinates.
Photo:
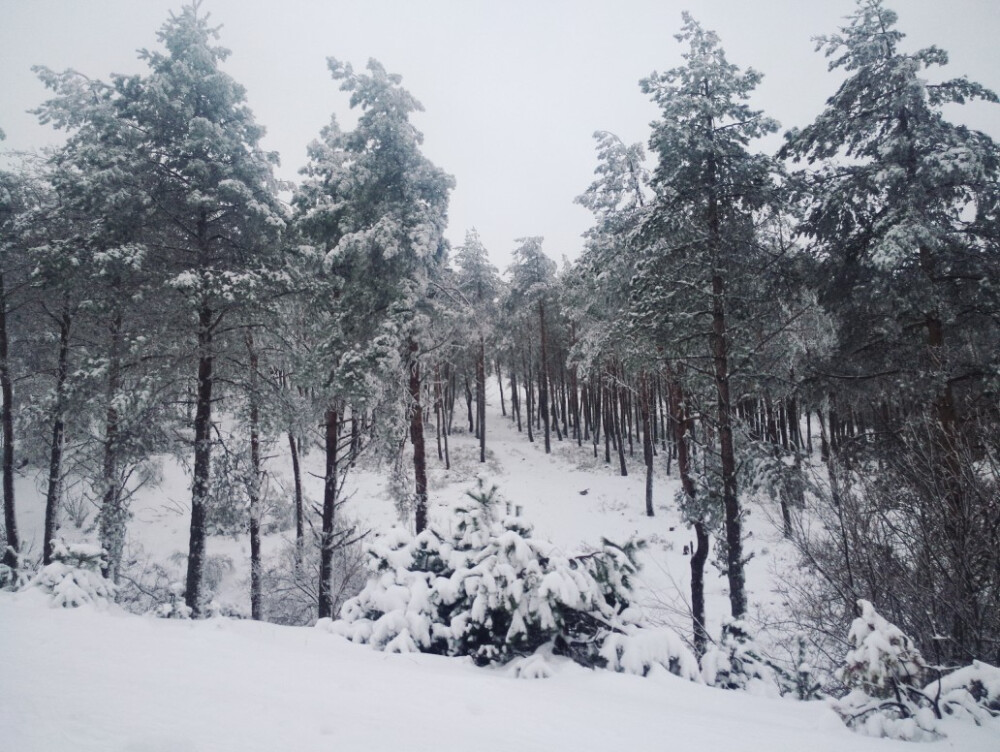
(74, 577)
(489, 590)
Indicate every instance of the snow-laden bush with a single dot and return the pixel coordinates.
(969, 692)
(74, 576)
(638, 650)
(488, 590)
(888, 695)
(175, 608)
(884, 673)
(881, 661)
(735, 662)
(18, 576)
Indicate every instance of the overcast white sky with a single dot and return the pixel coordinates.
(513, 90)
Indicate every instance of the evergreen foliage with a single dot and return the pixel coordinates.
(74, 577)
(490, 591)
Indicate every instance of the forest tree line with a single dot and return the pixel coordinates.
(818, 326)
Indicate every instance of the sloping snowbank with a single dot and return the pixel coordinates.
(84, 680)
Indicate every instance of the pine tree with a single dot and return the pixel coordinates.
(702, 231)
(375, 208)
(903, 206)
(217, 217)
(479, 282)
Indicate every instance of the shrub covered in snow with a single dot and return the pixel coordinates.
(13, 578)
(638, 650)
(969, 692)
(74, 576)
(881, 661)
(884, 673)
(488, 590)
(176, 608)
(736, 662)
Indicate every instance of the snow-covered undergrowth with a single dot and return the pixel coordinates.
(141, 683)
(491, 591)
(889, 695)
(93, 681)
(74, 576)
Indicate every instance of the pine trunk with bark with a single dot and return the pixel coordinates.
(330, 487)
(543, 379)
(293, 449)
(53, 493)
(647, 441)
(681, 423)
(253, 489)
(202, 460)
(13, 546)
(113, 514)
(481, 398)
(417, 439)
(727, 453)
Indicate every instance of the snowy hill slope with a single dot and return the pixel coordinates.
(85, 680)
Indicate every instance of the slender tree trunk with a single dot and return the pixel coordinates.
(54, 491)
(202, 461)
(451, 380)
(7, 418)
(438, 407)
(468, 404)
(417, 439)
(299, 516)
(529, 395)
(481, 398)
(113, 515)
(609, 423)
(253, 488)
(543, 378)
(442, 434)
(330, 488)
(681, 424)
(647, 441)
(616, 405)
(734, 521)
(503, 404)
(515, 398)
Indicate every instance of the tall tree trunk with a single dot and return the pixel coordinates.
(54, 490)
(202, 461)
(515, 398)
(253, 489)
(529, 395)
(468, 404)
(647, 441)
(681, 424)
(330, 488)
(299, 516)
(113, 516)
(734, 521)
(543, 378)
(417, 439)
(616, 409)
(481, 397)
(503, 404)
(442, 434)
(7, 418)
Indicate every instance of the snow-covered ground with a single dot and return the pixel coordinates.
(84, 679)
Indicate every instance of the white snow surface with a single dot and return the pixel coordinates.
(82, 680)
(99, 679)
